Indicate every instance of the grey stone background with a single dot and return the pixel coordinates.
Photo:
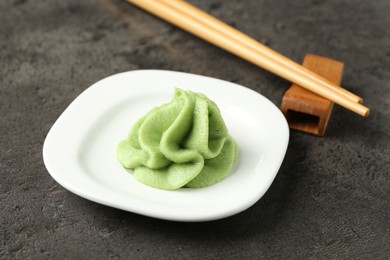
(330, 199)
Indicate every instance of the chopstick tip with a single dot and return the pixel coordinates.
(366, 113)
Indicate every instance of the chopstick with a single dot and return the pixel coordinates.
(199, 23)
(229, 31)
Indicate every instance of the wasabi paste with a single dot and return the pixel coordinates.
(184, 143)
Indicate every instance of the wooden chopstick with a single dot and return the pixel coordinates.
(171, 13)
(229, 31)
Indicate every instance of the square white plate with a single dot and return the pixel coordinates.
(80, 149)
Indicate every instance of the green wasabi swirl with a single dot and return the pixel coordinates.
(184, 143)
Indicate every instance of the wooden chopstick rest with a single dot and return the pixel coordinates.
(304, 110)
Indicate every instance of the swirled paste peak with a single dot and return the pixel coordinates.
(184, 143)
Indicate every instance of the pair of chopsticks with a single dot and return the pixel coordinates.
(226, 37)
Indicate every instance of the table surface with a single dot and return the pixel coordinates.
(331, 197)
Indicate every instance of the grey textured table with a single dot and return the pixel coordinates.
(331, 197)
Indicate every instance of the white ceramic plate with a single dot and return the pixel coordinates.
(80, 150)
